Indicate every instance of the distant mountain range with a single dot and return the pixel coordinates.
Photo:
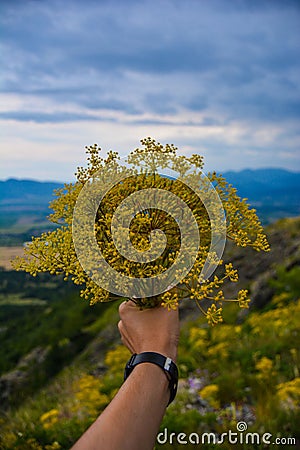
(24, 207)
(274, 193)
(262, 182)
(14, 191)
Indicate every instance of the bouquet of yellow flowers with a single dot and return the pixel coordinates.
(151, 228)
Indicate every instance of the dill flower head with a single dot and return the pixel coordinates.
(214, 315)
(170, 236)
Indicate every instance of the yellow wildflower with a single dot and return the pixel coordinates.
(198, 339)
(219, 350)
(264, 367)
(170, 301)
(231, 273)
(289, 393)
(88, 395)
(49, 418)
(214, 315)
(243, 298)
(210, 393)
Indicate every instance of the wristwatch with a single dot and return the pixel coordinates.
(165, 363)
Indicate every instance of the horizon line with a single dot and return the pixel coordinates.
(249, 169)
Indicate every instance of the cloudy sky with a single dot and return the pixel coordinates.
(215, 77)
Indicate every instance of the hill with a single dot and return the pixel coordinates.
(273, 192)
(61, 360)
(24, 207)
(26, 192)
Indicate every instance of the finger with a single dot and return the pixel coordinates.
(120, 326)
(124, 338)
(128, 345)
(122, 306)
(126, 306)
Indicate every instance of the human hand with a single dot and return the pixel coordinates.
(149, 330)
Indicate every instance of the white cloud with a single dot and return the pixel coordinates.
(216, 78)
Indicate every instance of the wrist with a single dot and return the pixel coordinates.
(165, 364)
(153, 371)
(151, 378)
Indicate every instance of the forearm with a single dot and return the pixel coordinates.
(131, 421)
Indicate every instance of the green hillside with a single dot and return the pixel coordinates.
(61, 361)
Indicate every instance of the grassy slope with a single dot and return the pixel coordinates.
(233, 372)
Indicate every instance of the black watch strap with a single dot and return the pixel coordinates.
(162, 361)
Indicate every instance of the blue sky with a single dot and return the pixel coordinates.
(215, 77)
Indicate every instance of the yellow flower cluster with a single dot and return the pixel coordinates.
(33, 444)
(54, 252)
(219, 350)
(264, 366)
(289, 393)
(116, 358)
(279, 322)
(88, 396)
(231, 273)
(210, 393)
(198, 339)
(170, 300)
(243, 298)
(49, 418)
(214, 315)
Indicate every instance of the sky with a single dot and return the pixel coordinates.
(215, 77)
